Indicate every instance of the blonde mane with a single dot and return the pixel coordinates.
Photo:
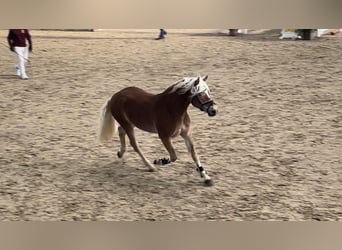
(186, 84)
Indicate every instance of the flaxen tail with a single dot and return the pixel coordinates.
(108, 125)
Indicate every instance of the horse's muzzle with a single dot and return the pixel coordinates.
(212, 110)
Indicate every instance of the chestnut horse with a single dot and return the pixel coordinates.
(164, 113)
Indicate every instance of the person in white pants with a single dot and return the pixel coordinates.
(17, 42)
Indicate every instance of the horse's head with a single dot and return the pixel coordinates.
(201, 98)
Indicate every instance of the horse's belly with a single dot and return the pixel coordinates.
(146, 127)
(143, 120)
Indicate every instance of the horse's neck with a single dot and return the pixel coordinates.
(174, 102)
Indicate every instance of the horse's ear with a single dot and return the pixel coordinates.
(205, 78)
(197, 81)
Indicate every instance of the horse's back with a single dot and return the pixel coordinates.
(130, 95)
(132, 92)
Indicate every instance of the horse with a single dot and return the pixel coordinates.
(164, 113)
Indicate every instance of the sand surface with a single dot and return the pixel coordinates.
(273, 151)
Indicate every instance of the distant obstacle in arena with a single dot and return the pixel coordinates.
(306, 34)
(235, 32)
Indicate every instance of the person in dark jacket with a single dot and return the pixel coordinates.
(17, 41)
(162, 34)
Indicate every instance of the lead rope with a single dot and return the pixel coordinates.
(26, 59)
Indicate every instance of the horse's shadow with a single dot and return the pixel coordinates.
(136, 177)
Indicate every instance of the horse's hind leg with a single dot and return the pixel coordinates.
(190, 145)
(122, 135)
(130, 134)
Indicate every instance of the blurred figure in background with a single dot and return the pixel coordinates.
(17, 43)
(162, 34)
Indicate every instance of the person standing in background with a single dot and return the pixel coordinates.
(162, 34)
(17, 43)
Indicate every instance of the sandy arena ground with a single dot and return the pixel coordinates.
(273, 151)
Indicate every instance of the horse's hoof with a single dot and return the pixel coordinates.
(162, 161)
(119, 154)
(209, 182)
(152, 170)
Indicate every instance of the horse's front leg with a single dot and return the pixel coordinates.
(186, 134)
(169, 147)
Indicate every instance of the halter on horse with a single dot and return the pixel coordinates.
(164, 113)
